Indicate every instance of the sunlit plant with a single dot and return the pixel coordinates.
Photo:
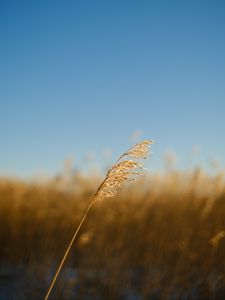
(127, 168)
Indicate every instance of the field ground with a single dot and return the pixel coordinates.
(160, 238)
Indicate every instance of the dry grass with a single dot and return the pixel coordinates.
(162, 238)
(124, 170)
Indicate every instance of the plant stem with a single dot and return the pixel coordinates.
(68, 250)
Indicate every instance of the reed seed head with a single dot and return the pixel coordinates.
(124, 170)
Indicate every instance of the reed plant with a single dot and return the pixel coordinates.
(127, 168)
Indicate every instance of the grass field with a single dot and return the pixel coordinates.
(160, 238)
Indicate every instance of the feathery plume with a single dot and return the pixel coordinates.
(124, 170)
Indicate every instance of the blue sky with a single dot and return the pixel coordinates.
(83, 76)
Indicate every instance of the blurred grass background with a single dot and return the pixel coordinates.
(161, 238)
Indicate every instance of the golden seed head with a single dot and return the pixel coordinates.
(123, 170)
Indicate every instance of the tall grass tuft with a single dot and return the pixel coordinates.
(127, 168)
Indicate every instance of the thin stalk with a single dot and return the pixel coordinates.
(68, 250)
(112, 181)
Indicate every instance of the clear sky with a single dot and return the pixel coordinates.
(81, 76)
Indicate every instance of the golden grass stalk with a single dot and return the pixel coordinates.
(124, 170)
